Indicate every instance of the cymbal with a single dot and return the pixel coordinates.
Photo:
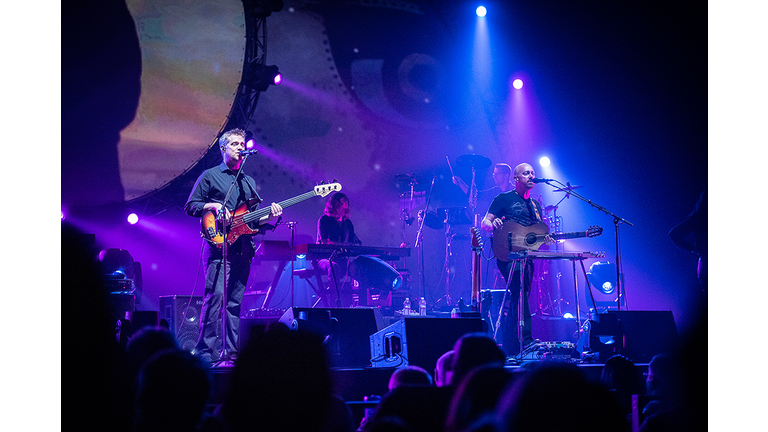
(475, 161)
(409, 178)
(567, 188)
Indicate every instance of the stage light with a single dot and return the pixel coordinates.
(544, 161)
(517, 83)
(63, 216)
(602, 275)
(133, 218)
(249, 141)
(568, 315)
(264, 8)
(259, 77)
(481, 11)
(373, 272)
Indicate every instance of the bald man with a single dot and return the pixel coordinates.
(515, 205)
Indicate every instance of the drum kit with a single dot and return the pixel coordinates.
(414, 207)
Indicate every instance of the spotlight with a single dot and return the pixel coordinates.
(481, 11)
(249, 141)
(602, 275)
(259, 77)
(372, 272)
(133, 218)
(544, 161)
(517, 83)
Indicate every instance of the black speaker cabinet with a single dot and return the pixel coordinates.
(637, 335)
(183, 316)
(419, 341)
(348, 329)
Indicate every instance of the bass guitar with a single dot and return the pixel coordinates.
(245, 219)
(513, 237)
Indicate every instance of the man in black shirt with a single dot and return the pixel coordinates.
(208, 195)
(515, 205)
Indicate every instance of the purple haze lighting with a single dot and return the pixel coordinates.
(133, 218)
(517, 83)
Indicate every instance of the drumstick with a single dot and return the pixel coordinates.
(449, 166)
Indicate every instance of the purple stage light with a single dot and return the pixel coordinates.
(517, 83)
(278, 79)
(133, 218)
(544, 161)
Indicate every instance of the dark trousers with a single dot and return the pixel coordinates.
(509, 320)
(238, 269)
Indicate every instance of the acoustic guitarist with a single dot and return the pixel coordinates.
(208, 195)
(516, 206)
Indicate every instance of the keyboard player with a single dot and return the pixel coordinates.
(335, 227)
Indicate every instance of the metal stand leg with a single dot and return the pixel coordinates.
(521, 304)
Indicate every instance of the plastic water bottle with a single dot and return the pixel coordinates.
(407, 307)
(422, 307)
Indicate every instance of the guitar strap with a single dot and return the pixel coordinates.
(534, 210)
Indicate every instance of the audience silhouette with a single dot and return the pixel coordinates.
(411, 376)
(556, 396)
(622, 379)
(444, 369)
(473, 350)
(173, 389)
(476, 396)
(102, 385)
(282, 383)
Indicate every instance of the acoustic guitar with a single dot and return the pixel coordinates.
(513, 237)
(245, 219)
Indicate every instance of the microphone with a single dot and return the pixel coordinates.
(541, 180)
(248, 152)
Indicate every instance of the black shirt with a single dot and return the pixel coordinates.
(212, 186)
(510, 205)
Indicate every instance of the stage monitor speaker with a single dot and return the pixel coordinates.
(183, 316)
(637, 335)
(348, 329)
(419, 341)
(256, 320)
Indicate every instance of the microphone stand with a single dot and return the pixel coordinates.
(224, 356)
(620, 292)
(419, 240)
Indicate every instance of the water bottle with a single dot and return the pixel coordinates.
(422, 307)
(407, 307)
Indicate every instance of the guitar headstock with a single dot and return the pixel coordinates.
(476, 241)
(324, 189)
(594, 231)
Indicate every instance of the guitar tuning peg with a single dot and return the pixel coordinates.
(334, 181)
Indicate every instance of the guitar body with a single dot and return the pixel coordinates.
(214, 232)
(513, 237)
(245, 219)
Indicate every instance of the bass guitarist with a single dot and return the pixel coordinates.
(516, 206)
(208, 195)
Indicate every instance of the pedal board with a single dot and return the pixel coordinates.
(558, 351)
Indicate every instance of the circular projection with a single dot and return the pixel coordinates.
(192, 56)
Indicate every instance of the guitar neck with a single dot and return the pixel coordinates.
(566, 236)
(260, 213)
